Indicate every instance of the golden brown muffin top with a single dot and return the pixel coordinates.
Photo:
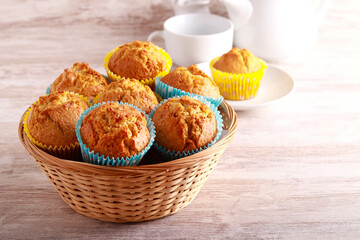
(238, 61)
(53, 118)
(115, 130)
(82, 79)
(184, 124)
(130, 91)
(139, 60)
(192, 80)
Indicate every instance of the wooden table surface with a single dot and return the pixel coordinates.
(292, 171)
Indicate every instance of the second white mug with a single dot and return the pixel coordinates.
(195, 38)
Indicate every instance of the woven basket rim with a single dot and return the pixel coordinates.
(124, 170)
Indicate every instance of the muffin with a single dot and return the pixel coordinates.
(139, 60)
(113, 132)
(184, 124)
(81, 79)
(238, 74)
(192, 80)
(51, 122)
(130, 91)
(239, 61)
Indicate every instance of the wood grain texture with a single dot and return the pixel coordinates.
(292, 171)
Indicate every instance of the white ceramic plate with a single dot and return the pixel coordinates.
(275, 85)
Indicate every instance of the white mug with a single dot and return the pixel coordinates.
(196, 38)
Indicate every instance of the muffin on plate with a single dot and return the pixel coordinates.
(139, 60)
(185, 125)
(130, 91)
(81, 79)
(50, 123)
(114, 134)
(238, 74)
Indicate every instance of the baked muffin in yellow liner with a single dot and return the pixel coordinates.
(70, 151)
(146, 81)
(240, 86)
(81, 79)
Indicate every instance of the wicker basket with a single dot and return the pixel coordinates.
(132, 194)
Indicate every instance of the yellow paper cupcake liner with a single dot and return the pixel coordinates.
(71, 151)
(238, 86)
(151, 81)
(96, 99)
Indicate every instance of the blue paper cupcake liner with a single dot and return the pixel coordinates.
(48, 90)
(166, 91)
(168, 155)
(106, 77)
(90, 156)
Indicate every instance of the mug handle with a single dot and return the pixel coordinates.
(154, 35)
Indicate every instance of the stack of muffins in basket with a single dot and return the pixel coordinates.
(115, 119)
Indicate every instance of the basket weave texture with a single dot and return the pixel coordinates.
(137, 193)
